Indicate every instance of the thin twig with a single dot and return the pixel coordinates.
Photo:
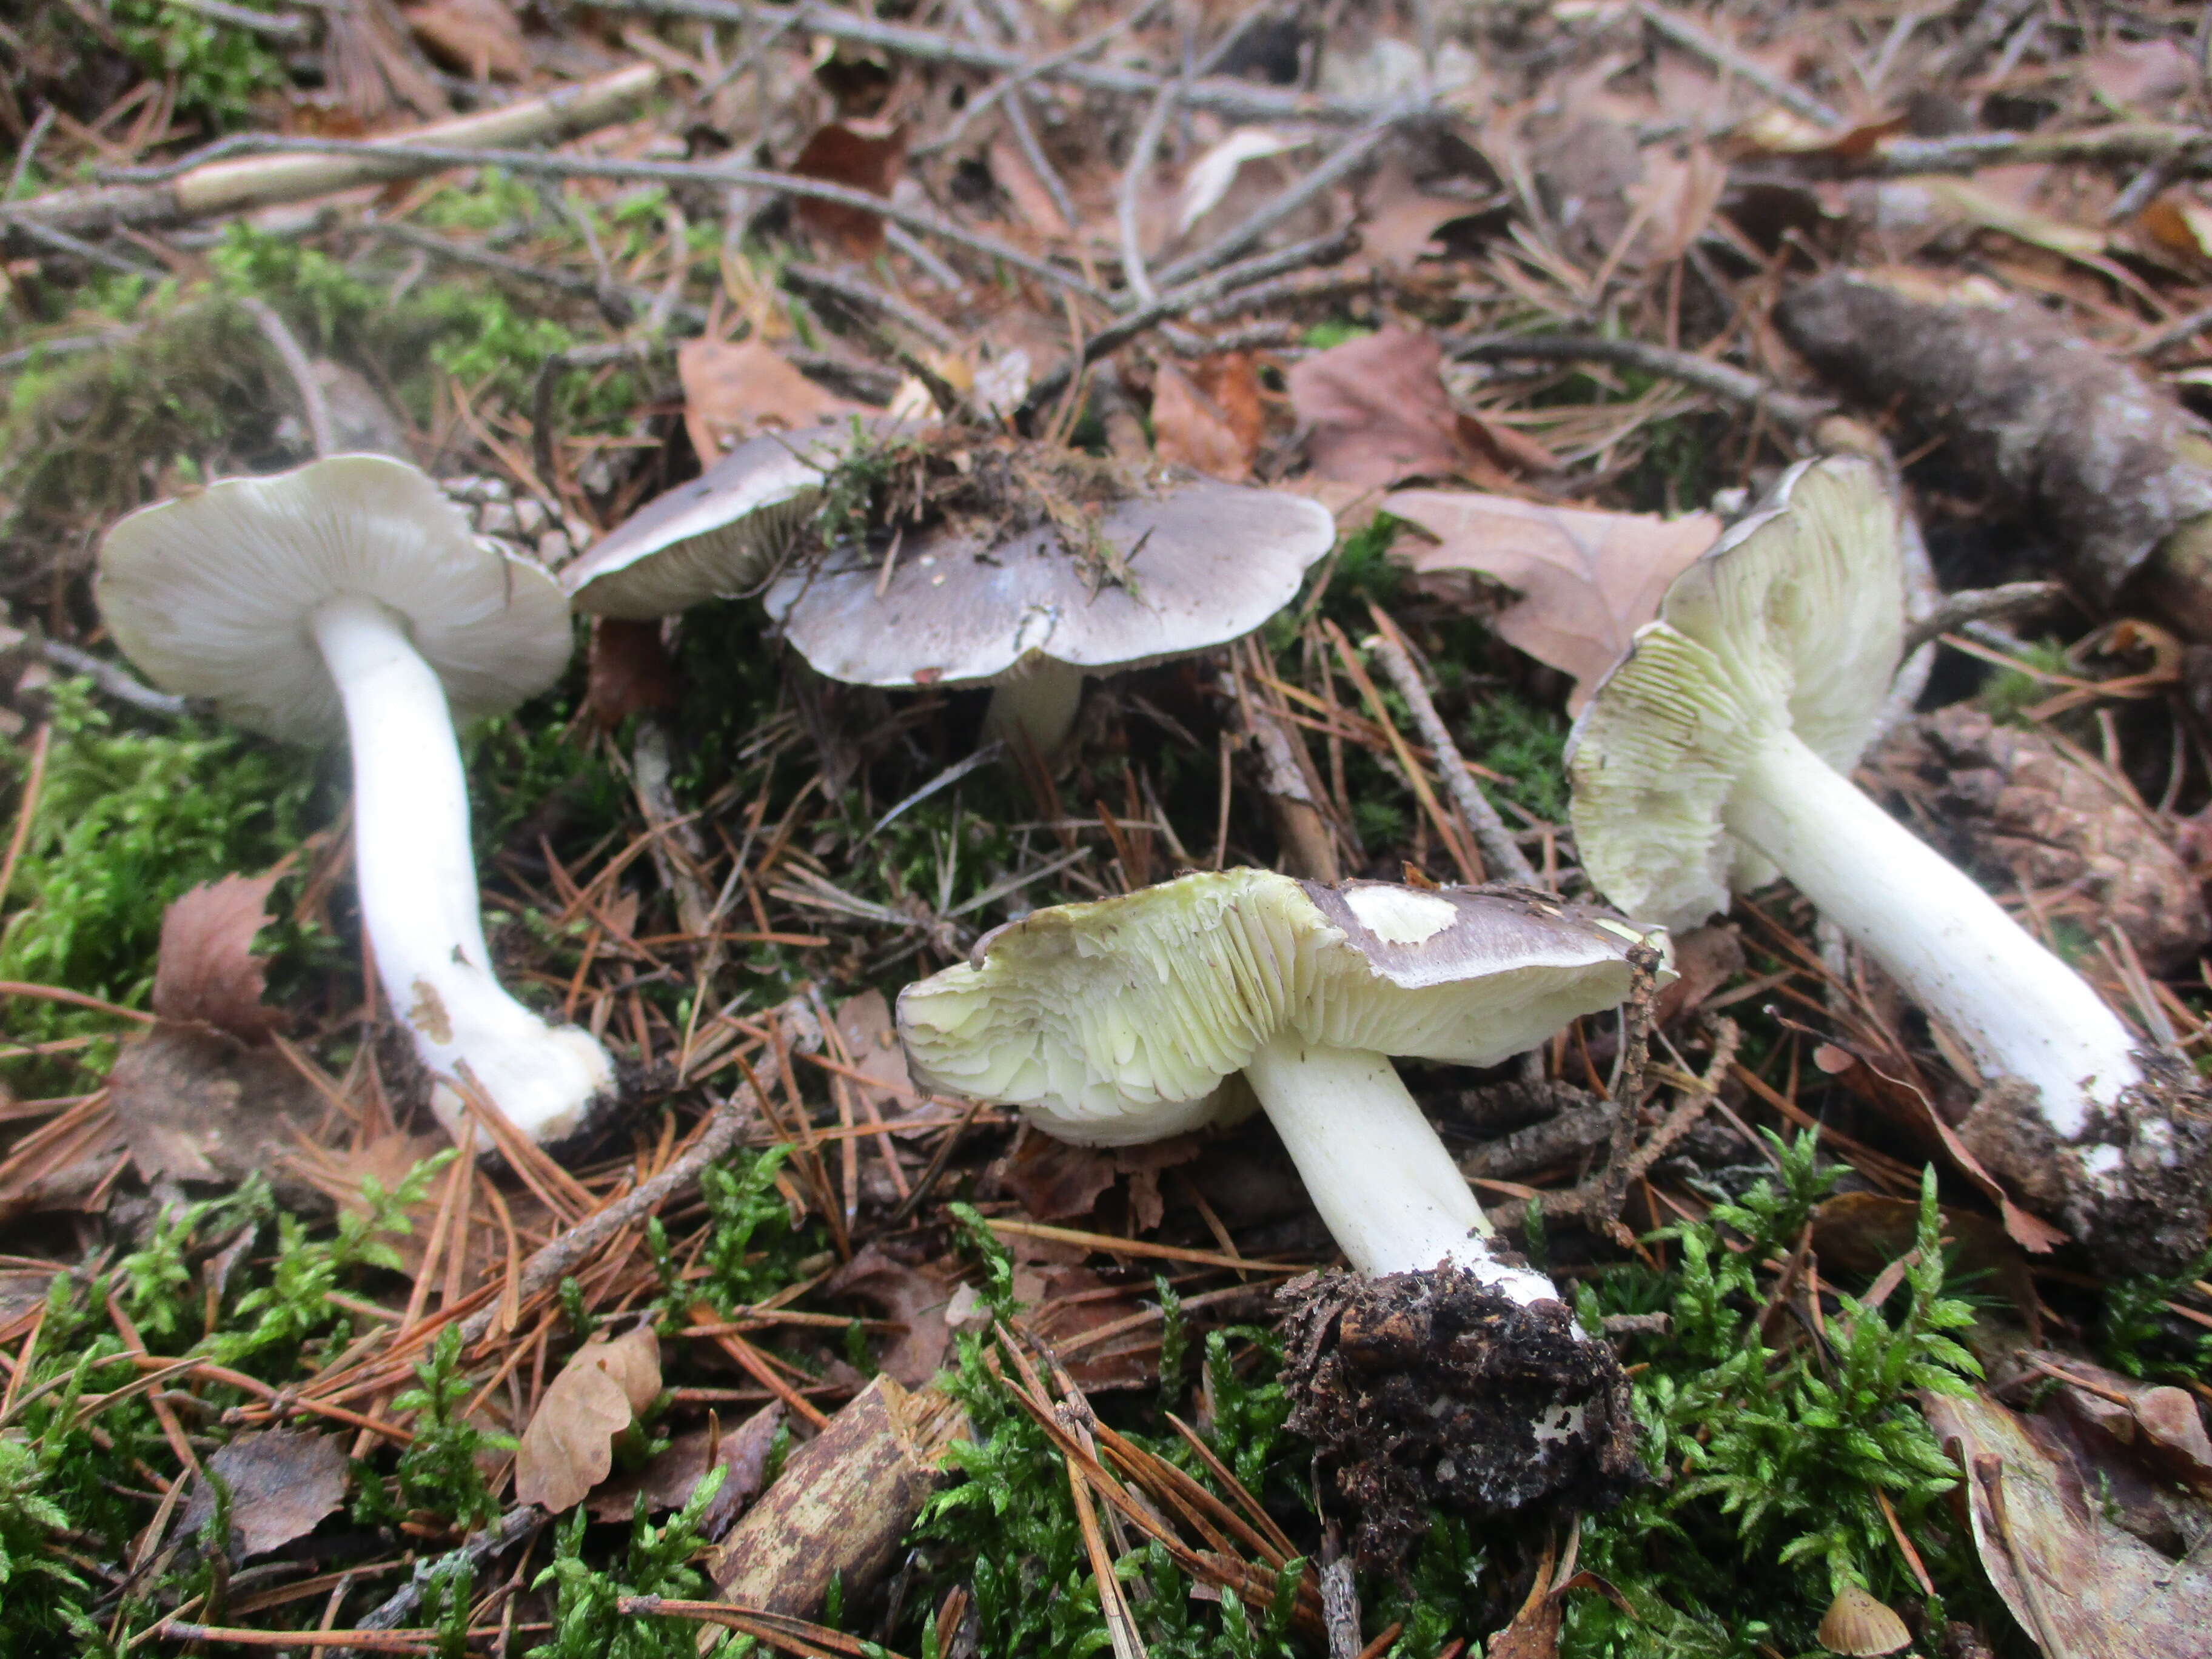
(379, 156)
(1974, 604)
(314, 408)
(1737, 386)
(2178, 332)
(1126, 197)
(1333, 168)
(549, 1266)
(1043, 67)
(114, 681)
(508, 1530)
(1736, 66)
(1500, 851)
(1240, 100)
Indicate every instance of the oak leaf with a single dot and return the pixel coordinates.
(732, 392)
(1376, 412)
(568, 1448)
(1587, 580)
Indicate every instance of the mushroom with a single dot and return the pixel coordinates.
(1203, 564)
(1122, 1020)
(1717, 754)
(351, 591)
(718, 536)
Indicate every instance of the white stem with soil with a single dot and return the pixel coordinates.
(1035, 703)
(2021, 1011)
(1385, 1186)
(417, 874)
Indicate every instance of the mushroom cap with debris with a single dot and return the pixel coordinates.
(212, 594)
(720, 536)
(1795, 618)
(1207, 563)
(1118, 1021)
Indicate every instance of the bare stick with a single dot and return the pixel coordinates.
(1499, 851)
(112, 682)
(508, 1530)
(2140, 142)
(1133, 274)
(1013, 83)
(391, 158)
(314, 408)
(294, 173)
(1242, 101)
(1737, 386)
(1334, 169)
(1973, 605)
(1733, 63)
(2180, 332)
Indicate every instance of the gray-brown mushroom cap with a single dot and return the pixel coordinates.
(720, 536)
(1208, 562)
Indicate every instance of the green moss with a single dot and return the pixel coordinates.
(2009, 694)
(218, 70)
(1511, 735)
(127, 822)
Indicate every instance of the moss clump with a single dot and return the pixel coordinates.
(126, 823)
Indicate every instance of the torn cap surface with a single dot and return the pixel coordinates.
(1209, 563)
(1117, 1021)
(212, 594)
(719, 536)
(1794, 620)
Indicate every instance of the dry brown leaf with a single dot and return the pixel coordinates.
(631, 672)
(1056, 1179)
(732, 392)
(282, 1482)
(1676, 196)
(480, 38)
(916, 1297)
(862, 154)
(568, 1448)
(1398, 219)
(666, 1482)
(194, 1105)
(2080, 1585)
(1588, 580)
(865, 1023)
(1215, 435)
(206, 973)
(1011, 172)
(2139, 74)
(1376, 412)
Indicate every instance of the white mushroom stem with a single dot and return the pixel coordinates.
(2019, 1010)
(418, 887)
(1037, 700)
(1385, 1186)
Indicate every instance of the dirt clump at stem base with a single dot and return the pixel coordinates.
(1435, 1389)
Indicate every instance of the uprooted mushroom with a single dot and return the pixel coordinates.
(1442, 1368)
(1716, 755)
(351, 592)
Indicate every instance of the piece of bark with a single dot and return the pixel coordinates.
(2015, 808)
(2074, 440)
(842, 1503)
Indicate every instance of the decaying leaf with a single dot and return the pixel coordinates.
(1587, 580)
(667, 1481)
(915, 1297)
(479, 39)
(282, 1482)
(1375, 412)
(631, 672)
(865, 154)
(568, 1448)
(1209, 420)
(206, 973)
(2080, 1585)
(1863, 1233)
(193, 1104)
(1011, 172)
(865, 1023)
(732, 392)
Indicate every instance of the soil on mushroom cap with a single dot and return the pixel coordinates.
(982, 488)
(1428, 1389)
